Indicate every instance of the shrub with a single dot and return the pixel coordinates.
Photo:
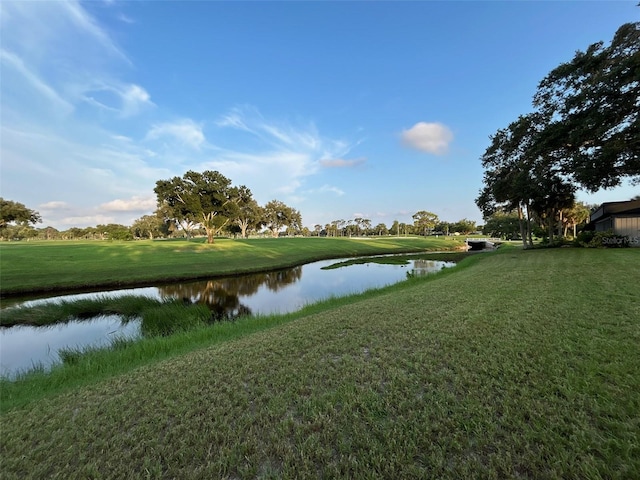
(584, 238)
(606, 239)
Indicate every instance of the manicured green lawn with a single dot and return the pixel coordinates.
(520, 364)
(42, 266)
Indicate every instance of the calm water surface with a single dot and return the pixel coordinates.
(283, 291)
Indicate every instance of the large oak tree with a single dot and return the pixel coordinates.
(520, 176)
(585, 133)
(425, 221)
(592, 106)
(15, 212)
(205, 198)
(278, 215)
(249, 215)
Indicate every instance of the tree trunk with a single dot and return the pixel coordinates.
(550, 226)
(560, 224)
(523, 234)
(185, 227)
(529, 236)
(244, 225)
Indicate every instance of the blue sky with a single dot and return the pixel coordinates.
(339, 109)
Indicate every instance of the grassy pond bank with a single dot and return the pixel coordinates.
(39, 333)
(28, 267)
(512, 364)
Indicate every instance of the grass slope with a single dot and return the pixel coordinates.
(521, 364)
(44, 266)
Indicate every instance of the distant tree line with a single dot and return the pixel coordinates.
(195, 204)
(584, 132)
(238, 215)
(425, 223)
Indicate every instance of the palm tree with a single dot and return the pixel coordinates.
(578, 214)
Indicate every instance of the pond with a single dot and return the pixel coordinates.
(282, 291)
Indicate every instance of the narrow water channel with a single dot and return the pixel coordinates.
(282, 291)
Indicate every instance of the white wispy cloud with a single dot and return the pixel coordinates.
(124, 18)
(69, 94)
(342, 163)
(133, 204)
(45, 32)
(86, 23)
(87, 220)
(281, 134)
(268, 173)
(234, 119)
(66, 95)
(12, 61)
(124, 100)
(54, 205)
(186, 131)
(329, 189)
(134, 98)
(428, 137)
(281, 154)
(63, 54)
(89, 179)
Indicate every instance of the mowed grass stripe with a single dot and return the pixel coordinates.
(524, 364)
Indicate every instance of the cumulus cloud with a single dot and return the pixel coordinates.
(428, 137)
(342, 163)
(133, 204)
(185, 131)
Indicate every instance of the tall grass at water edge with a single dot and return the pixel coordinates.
(159, 317)
(62, 311)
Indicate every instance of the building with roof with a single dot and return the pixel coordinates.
(623, 218)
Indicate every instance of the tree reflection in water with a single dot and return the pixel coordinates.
(222, 295)
(425, 267)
